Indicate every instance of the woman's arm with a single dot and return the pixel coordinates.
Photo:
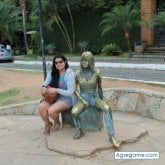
(70, 81)
(47, 80)
(46, 83)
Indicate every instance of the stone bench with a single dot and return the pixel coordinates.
(91, 118)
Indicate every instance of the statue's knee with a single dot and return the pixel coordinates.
(74, 111)
(106, 108)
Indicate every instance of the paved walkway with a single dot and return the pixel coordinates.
(23, 142)
(104, 64)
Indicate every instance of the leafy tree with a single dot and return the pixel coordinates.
(10, 21)
(58, 10)
(100, 3)
(158, 20)
(23, 6)
(53, 10)
(124, 17)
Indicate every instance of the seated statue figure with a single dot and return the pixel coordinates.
(89, 91)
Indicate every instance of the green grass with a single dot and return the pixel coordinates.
(31, 57)
(157, 85)
(68, 55)
(6, 96)
(26, 72)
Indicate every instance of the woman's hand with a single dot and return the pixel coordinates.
(43, 90)
(48, 90)
(51, 90)
(50, 94)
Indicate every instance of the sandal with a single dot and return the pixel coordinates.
(57, 126)
(47, 128)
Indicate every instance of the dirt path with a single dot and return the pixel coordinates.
(28, 85)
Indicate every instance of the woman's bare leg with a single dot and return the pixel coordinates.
(54, 111)
(43, 112)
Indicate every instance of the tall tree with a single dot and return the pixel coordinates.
(23, 6)
(124, 17)
(158, 20)
(55, 11)
(10, 21)
(72, 22)
(52, 11)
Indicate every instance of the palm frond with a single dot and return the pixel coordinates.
(10, 20)
(159, 20)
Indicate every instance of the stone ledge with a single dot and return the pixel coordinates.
(148, 103)
(27, 108)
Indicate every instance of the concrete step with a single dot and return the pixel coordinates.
(162, 48)
(153, 50)
(147, 55)
(154, 57)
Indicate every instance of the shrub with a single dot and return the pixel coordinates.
(50, 48)
(94, 49)
(83, 46)
(111, 50)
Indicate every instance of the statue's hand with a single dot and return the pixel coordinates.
(86, 103)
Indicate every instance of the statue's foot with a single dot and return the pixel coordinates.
(115, 143)
(78, 134)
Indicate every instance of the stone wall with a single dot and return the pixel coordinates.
(145, 102)
(28, 108)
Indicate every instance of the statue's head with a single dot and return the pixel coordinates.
(87, 61)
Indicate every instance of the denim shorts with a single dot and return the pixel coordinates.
(66, 99)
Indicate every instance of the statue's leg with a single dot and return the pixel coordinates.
(78, 107)
(108, 121)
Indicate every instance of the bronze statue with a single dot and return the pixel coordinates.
(89, 91)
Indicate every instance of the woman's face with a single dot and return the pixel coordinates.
(59, 63)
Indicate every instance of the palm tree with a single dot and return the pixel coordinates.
(158, 20)
(55, 17)
(124, 17)
(52, 10)
(72, 23)
(10, 21)
(23, 6)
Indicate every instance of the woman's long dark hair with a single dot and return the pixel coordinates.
(55, 73)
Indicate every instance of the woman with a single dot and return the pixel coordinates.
(88, 80)
(60, 83)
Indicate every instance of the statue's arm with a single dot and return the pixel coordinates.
(100, 90)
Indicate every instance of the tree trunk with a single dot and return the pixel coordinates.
(23, 5)
(127, 37)
(67, 34)
(63, 29)
(72, 24)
